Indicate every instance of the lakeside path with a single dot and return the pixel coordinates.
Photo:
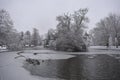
(11, 68)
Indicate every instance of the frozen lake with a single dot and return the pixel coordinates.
(64, 66)
(79, 67)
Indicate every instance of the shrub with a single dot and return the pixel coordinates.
(15, 47)
(70, 42)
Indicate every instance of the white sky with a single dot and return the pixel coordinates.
(41, 14)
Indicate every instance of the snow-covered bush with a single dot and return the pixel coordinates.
(70, 42)
(15, 47)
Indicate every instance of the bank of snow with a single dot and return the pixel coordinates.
(48, 56)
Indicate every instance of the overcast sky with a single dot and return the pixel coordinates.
(41, 14)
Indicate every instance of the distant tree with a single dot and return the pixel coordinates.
(101, 33)
(27, 38)
(35, 37)
(50, 38)
(100, 36)
(108, 26)
(114, 23)
(21, 36)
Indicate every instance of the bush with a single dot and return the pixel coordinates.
(52, 44)
(70, 42)
(15, 47)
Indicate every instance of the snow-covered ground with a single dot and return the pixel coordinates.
(91, 51)
(48, 56)
(11, 68)
(104, 47)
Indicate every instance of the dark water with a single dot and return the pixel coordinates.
(81, 67)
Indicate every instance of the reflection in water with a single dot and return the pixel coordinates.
(81, 67)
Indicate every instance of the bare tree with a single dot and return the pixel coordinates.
(35, 37)
(108, 26)
(114, 23)
(27, 38)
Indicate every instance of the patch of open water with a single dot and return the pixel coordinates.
(76, 67)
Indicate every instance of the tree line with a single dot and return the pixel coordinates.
(69, 34)
(106, 28)
(13, 39)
